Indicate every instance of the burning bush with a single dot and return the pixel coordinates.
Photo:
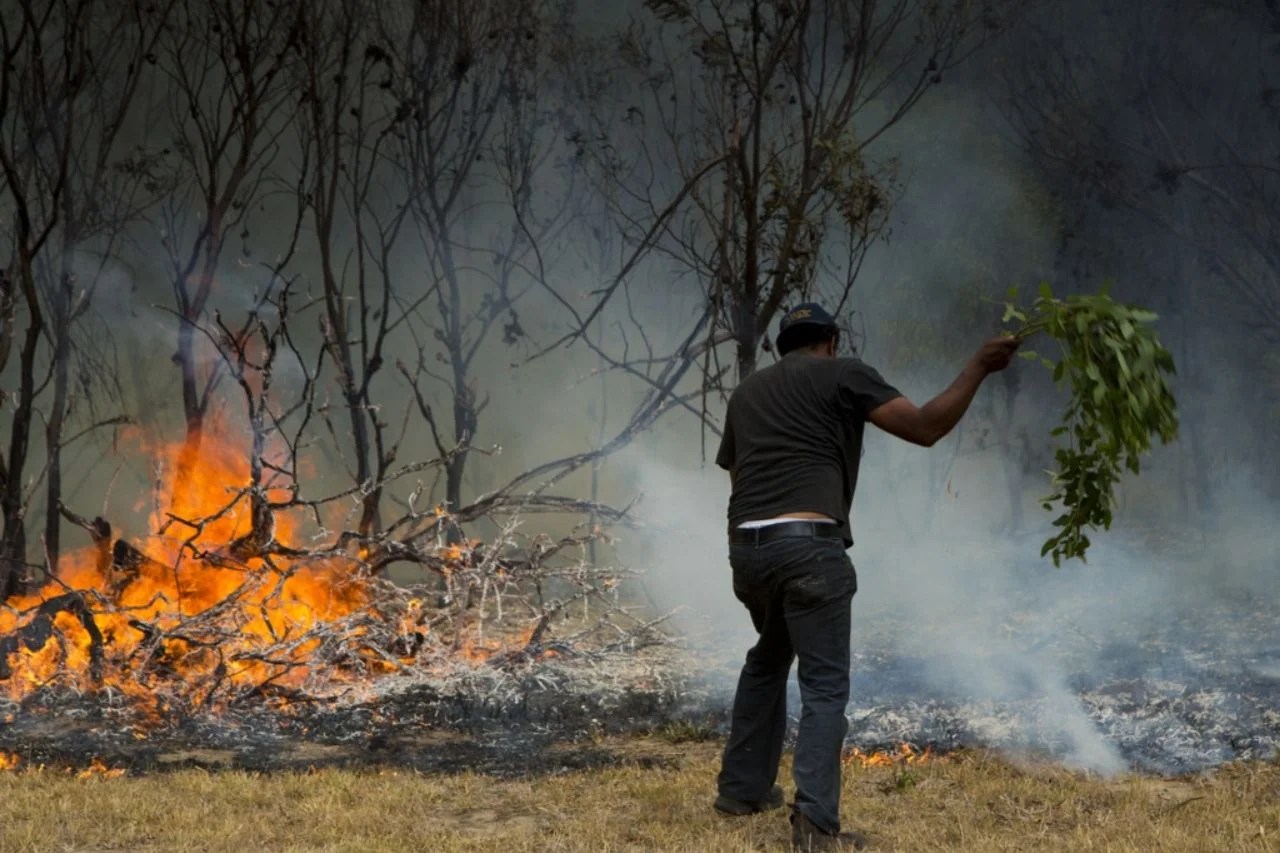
(226, 599)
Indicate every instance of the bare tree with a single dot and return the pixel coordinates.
(741, 141)
(420, 164)
(356, 208)
(229, 102)
(490, 197)
(71, 184)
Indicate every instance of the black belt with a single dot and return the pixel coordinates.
(784, 530)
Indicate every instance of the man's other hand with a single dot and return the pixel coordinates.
(995, 355)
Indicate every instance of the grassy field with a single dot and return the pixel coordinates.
(657, 798)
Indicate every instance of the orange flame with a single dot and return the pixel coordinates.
(219, 597)
(97, 769)
(261, 603)
(905, 753)
(9, 760)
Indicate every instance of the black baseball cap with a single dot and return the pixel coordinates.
(808, 314)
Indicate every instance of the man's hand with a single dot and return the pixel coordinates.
(930, 422)
(995, 354)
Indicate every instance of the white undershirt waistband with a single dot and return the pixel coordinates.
(769, 522)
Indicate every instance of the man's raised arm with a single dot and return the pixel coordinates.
(925, 425)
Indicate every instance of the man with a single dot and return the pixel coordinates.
(792, 441)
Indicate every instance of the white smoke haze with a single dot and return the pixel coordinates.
(682, 546)
(968, 622)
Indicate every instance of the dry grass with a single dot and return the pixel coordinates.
(658, 801)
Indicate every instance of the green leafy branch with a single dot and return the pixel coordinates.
(1115, 368)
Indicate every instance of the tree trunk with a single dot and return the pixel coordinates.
(62, 297)
(746, 340)
(745, 359)
(13, 544)
(465, 419)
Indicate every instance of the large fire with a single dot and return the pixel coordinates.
(210, 603)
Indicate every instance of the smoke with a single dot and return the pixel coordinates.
(961, 630)
(932, 593)
(683, 548)
(1148, 655)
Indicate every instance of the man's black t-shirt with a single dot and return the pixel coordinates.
(793, 437)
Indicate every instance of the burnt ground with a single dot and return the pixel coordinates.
(1168, 696)
(544, 717)
(1131, 662)
(1095, 685)
(1111, 678)
(1169, 718)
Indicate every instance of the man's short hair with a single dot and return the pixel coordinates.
(803, 337)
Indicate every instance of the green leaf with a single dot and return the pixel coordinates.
(1115, 371)
(1124, 364)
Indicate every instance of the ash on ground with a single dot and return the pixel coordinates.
(1104, 668)
(1173, 698)
(1127, 663)
(543, 716)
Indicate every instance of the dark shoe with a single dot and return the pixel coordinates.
(807, 836)
(737, 808)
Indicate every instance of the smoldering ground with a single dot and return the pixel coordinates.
(1159, 653)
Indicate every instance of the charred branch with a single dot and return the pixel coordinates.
(41, 628)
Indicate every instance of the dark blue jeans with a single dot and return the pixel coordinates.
(797, 590)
